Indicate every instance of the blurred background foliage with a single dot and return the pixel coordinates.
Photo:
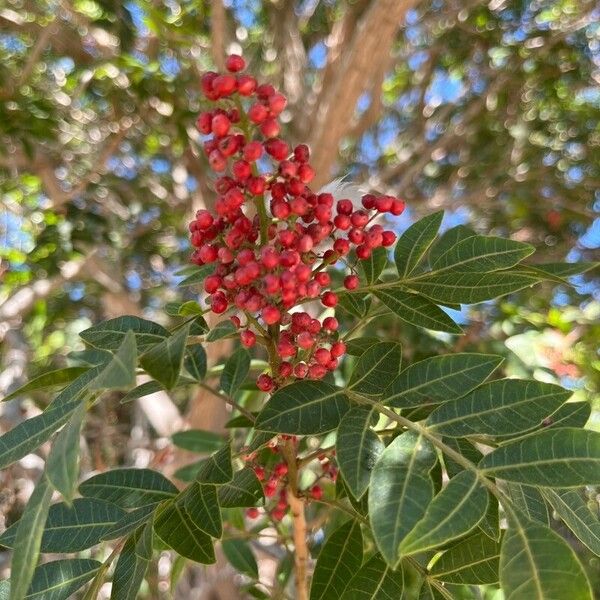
(489, 110)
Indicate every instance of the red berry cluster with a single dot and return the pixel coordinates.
(269, 261)
(274, 480)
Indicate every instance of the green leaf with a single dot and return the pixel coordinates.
(235, 371)
(258, 440)
(358, 346)
(28, 539)
(529, 501)
(240, 422)
(188, 473)
(90, 357)
(571, 414)
(144, 389)
(551, 458)
(303, 408)
(30, 434)
(440, 379)
(374, 266)
(469, 288)
(400, 491)
(416, 310)
(415, 242)
(378, 365)
(454, 512)
(339, 559)
(354, 304)
(448, 240)
(130, 522)
(109, 335)
(163, 362)
(175, 528)
(217, 468)
(72, 528)
(198, 326)
(463, 447)
(565, 269)
(201, 505)
(119, 373)
(473, 561)
(199, 276)
(490, 524)
(358, 448)
(221, 330)
(183, 309)
(537, 564)
(47, 380)
(498, 408)
(571, 507)
(430, 592)
(239, 554)
(243, 490)
(195, 361)
(482, 254)
(62, 466)
(60, 579)
(129, 488)
(375, 580)
(197, 440)
(132, 565)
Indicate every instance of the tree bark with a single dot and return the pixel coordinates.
(366, 57)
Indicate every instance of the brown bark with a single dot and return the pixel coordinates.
(363, 61)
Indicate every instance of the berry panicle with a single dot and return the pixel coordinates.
(271, 238)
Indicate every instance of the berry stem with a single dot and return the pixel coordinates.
(299, 522)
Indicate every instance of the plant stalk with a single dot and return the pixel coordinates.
(299, 522)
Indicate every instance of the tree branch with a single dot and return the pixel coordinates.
(364, 60)
(218, 22)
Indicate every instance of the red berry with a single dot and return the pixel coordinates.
(212, 284)
(301, 153)
(277, 148)
(305, 340)
(265, 383)
(252, 513)
(278, 514)
(271, 315)
(301, 370)
(317, 371)
(322, 356)
(220, 125)
(329, 299)
(344, 207)
(280, 469)
(398, 207)
(253, 151)
(388, 238)
(337, 349)
(330, 323)
(351, 282)
(258, 113)
(218, 303)
(235, 63)
(224, 85)
(248, 338)
(316, 492)
(285, 369)
(246, 85)
(277, 103)
(270, 128)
